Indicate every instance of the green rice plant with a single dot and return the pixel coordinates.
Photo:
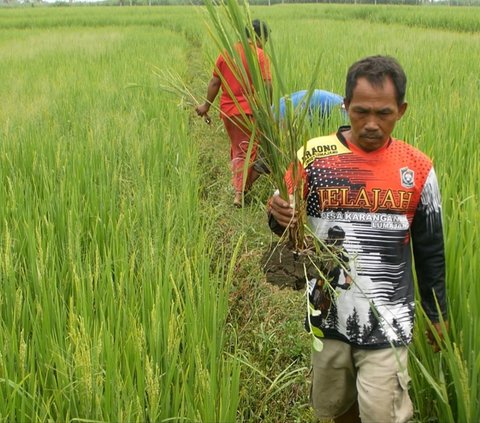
(112, 308)
(279, 139)
(464, 19)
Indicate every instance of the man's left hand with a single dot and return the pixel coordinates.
(438, 328)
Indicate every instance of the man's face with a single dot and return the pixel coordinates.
(373, 113)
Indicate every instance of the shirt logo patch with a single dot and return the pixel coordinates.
(319, 148)
(407, 177)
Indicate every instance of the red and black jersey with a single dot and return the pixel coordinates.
(381, 205)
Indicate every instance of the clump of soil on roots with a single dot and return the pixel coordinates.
(286, 268)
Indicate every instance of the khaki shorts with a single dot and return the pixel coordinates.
(378, 379)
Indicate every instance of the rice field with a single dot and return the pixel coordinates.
(130, 290)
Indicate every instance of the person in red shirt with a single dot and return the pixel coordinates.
(235, 110)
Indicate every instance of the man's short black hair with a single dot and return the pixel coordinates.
(376, 69)
(260, 28)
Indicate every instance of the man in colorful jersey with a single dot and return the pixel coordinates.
(235, 109)
(383, 193)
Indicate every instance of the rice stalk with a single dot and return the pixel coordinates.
(279, 138)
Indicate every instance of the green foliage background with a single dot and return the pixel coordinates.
(131, 291)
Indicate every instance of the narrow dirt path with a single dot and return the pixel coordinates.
(268, 322)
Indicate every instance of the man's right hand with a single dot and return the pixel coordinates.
(282, 211)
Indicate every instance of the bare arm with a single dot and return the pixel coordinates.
(212, 92)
